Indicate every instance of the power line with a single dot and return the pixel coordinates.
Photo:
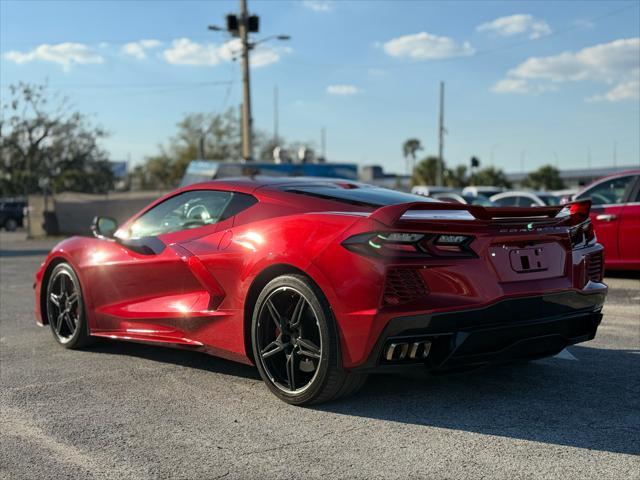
(111, 86)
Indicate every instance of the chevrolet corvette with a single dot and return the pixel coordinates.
(319, 282)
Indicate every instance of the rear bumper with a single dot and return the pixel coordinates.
(508, 330)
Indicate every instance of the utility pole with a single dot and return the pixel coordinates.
(240, 26)
(615, 153)
(275, 116)
(243, 27)
(440, 137)
(323, 142)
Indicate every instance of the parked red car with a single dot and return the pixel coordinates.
(320, 282)
(615, 215)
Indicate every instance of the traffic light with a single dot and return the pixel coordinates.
(254, 23)
(232, 24)
(475, 162)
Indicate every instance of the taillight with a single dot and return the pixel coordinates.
(582, 235)
(576, 212)
(408, 245)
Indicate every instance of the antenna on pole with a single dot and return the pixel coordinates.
(441, 131)
(275, 115)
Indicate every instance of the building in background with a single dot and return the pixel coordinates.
(203, 170)
(375, 175)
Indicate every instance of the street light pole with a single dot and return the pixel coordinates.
(240, 26)
(247, 150)
(441, 130)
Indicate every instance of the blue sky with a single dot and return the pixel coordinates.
(526, 82)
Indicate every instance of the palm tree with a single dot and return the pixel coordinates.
(409, 149)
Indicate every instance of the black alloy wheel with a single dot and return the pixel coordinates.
(65, 307)
(295, 343)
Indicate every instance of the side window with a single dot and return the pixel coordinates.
(191, 209)
(507, 201)
(527, 202)
(609, 192)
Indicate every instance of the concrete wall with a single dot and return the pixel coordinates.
(75, 211)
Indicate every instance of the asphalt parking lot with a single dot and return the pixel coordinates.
(123, 410)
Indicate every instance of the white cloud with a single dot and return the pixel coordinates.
(605, 62)
(511, 85)
(317, 5)
(615, 63)
(425, 46)
(623, 91)
(66, 54)
(342, 89)
(184, 51)
(138, 49)
(518, 24)
(261, 56)
(518, 85)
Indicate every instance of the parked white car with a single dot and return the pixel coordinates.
(485, 190)
(428, 190)
(524, 199)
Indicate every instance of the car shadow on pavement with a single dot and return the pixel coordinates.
(630, 274)
(590, 403)
(183, 358)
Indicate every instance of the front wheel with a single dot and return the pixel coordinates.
(65, 308)
(295, 343)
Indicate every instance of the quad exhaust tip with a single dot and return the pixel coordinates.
(400, 351)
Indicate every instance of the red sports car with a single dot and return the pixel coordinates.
(616, 217)
(320, 282)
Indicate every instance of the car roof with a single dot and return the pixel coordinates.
(251, 184)
(515, 193)
(624, 173)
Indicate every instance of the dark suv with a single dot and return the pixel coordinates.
(11, 213)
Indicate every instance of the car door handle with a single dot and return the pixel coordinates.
(606, 217)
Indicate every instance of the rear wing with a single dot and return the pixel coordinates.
(570, 214)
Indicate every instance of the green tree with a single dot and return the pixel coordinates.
(199, 136)
(546, 177)
(491, 176)
(43, 144)
(456, 177)
(409, 150)
(425, 171)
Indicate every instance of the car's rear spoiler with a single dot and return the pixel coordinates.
(571, 213)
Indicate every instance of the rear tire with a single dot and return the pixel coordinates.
(295, 344)
(66, 309)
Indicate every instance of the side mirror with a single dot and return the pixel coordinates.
(104, 227)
